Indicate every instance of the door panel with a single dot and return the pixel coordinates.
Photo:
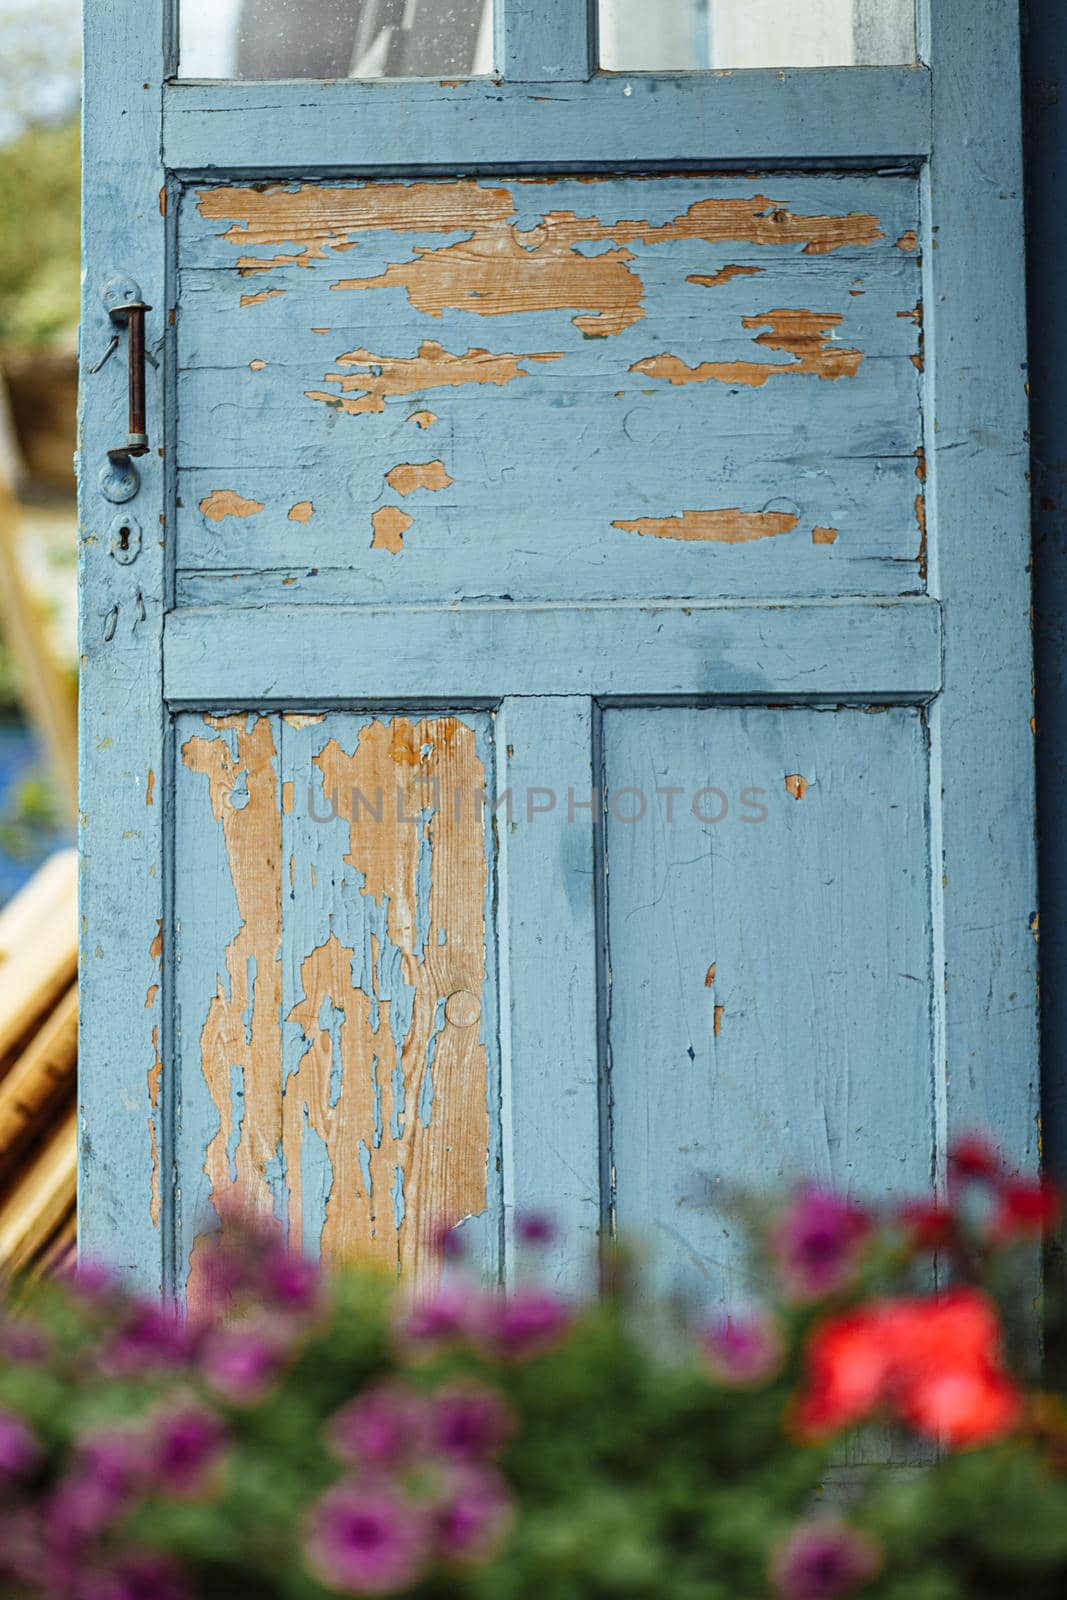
(441, 390)
(335, 979)
(769, 936)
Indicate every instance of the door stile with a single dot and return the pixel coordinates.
(548, 938)
(982, 797)
(546, 41)
(123, 807)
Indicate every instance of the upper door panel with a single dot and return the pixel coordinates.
(566, 388)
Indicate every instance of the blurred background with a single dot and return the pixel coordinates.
(39, 275)
(39, 220)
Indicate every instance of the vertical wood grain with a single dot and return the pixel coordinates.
(983, 761)
(544, 41)
(123, 803)
(770, 949)
(338, 1049)
(550, 1116)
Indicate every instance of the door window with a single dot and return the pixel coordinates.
(335, 38)
(693, 34)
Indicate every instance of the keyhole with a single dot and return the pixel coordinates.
(124, 538)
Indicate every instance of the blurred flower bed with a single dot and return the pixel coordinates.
(302, 1434)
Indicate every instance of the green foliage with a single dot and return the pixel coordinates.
(39, 236)
(293, 1439)
(30, 816)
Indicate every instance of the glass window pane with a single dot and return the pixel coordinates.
(335, 38)
(677, 35)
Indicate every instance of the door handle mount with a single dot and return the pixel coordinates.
(126, 308)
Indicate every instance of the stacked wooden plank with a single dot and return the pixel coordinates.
(38, 1061)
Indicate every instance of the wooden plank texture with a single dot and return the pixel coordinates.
(867, 115)
(770, 948)
(545, 41)
(881, 650)
(550, 1104)
(122, 791)
(336, 985)
(676, 387)
(980, 560)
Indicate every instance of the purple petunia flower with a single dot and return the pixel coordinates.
(474, 1515)
(23, 1342)
(448, 1315)
(818, 1241)
(290, 1282)
(743, 1351)
(447, 1242)
(90, 1281)
(150, 1337)
(241, 1363)
(19, 1450)
(110, 1470)
(383, 1428)
(528, 1323)
(535, 1228)
(138, 1575)
(470, 1422)
(186, 1444)
(824, 1560)
(367, 1540)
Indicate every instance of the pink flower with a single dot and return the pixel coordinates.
(367, 1540)
(470, 1422)
(90, 1281)
(818, 1242)
(822, 1560)
(383, 1428)
(22, 1342)
(447, 1241)
(445, 1317)
(744, 1352)
(291, 1282)
(19, 1450)
(474, 1515)
(138, 1575)
(241, 1363)
(110, 1470)
(150, 1337)
(528, 1323)
(186, 1445)
(534, 1228)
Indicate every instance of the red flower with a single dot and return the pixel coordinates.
(962, 1407)
(934, 1362)
(929, 1224)
(974, 1158)
(1025, 1208)
(848, 1361)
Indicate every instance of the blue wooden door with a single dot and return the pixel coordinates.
(557, 687)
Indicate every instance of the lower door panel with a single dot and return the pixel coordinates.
(334, 978)
(769, 931)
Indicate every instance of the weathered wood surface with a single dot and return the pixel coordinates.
(556, 389)
(769, 1011)
(776, 118)
(335, 980)
(642, 440)
(838, 649)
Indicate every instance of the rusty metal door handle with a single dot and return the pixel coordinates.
(126, 308)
